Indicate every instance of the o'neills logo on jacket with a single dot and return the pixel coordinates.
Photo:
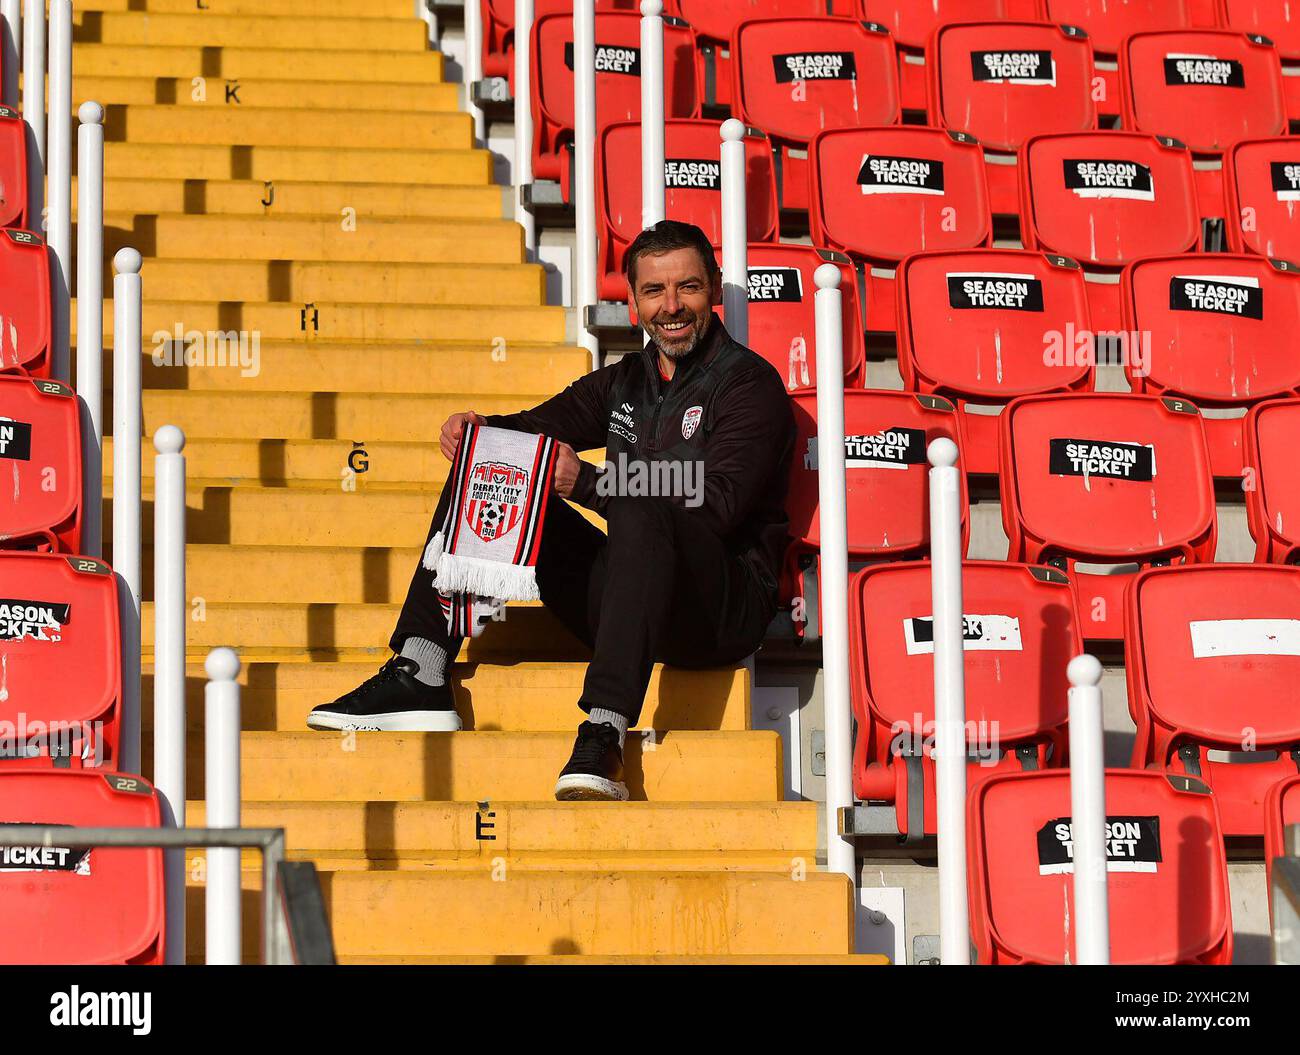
(881, 174)
(1204, 69)
(1013, 67)
(693, 174)
(1219, 295)
(1097, 178)
(494, 500)
(37, 620)
(815, 66)
(611, 58)
(994, 291)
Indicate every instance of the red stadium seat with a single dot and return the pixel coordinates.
(881, 194)
(62, 663)
(796, 77)
(1275, 19)
(1167, 873)
(1224, 331)
(1005, 81)
(1021, 630)
(618, 82)
(1281, 810)
(13, 168)
(1272, 486)
(40, 464)
(693, 189)
(24, 304)
(1262, 183)
(1105, 479)
(782, 322)
(75, 906)
(1104, 199)
(984, 326)
(886, 475)
(1212, 657)
(499, 28)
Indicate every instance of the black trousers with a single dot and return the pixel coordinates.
(660, 587)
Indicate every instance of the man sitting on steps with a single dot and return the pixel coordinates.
(687, 578)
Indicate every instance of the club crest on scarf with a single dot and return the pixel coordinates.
(495, 499)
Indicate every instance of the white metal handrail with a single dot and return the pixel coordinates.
(59, 220)
(735, 233)
(653, 208)
(90, 321)
(1088, 812)
(221, 765)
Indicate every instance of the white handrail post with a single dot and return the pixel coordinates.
(833, 517)
(949, 700)
(523, 173)
(652, 112)
(584, 169)
(735, 234)
(60, 187)
(90, 321)
(223, 921)
(126, 489)
(1088, 812)
(34, 110)
(474, 65)
(169, 664)
(10, 50)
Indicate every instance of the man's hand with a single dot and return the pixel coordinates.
(567, 465)
(452, 429)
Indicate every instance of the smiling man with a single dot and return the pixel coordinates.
(687, 577)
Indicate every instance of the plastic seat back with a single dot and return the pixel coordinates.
(40, 458)
(24, 304)
(1262, 184)
(1273, 500)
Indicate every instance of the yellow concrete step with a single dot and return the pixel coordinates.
(323, 8)
(520, 697)
(676, 766)
(265, 91)
(340, 163)
(607, 836)
(149, 197)
(320, 415)
(167, 322)
(306, 238)
(305, 575)
(248, 60)
(287, 127)
(321, 632)
(778, 960)
(211, 30)
(523, 914)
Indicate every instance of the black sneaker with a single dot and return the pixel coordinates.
(391, 701)
(595, 769)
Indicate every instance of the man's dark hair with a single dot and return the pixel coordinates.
(664, 237)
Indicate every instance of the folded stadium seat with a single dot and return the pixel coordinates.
(1262, 181)
(24, 304)
(1206, 88)
(62, 663)
(618, 82)
(1108, 22)
(912, 23)
(13, 168)
(1005, 81)
(1166, 870)
(984, 326)
(782, 320)
(499, 28)
(66, 905)
(886, 479)
(1020, 629)
(1272, 485)
(1104, 199)
(40, 465)
(1212, 658)
(1222, 330)
(1110, 480)
(1277, 20)
(1281, 810)
(795, 77)
(692, 189)
(881, 194)
(715, 21)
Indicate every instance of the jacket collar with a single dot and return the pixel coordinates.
(715, 338)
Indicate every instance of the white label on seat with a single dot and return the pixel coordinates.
(980, 633)
(1245, 637)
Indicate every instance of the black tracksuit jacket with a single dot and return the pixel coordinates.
(726, 407)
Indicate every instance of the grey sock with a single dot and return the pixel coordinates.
(431, 658)
(618, 721)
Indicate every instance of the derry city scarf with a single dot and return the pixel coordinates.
(485, 552)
